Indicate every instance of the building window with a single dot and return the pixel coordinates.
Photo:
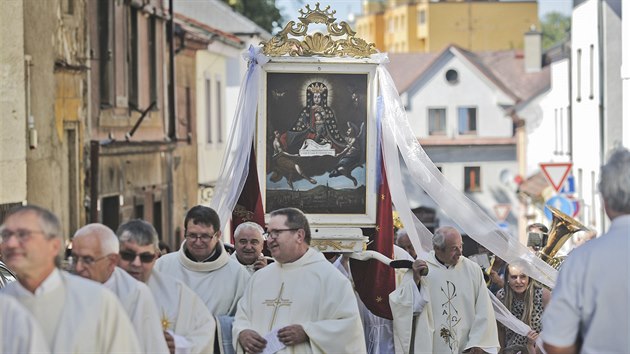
(153, 55)
(421, 17)
(578, 69)
(188, 105)
(557, 131)
(467, 118)
(105, 54)
(68, 6)
(208, 111)
(219, 113)
(591, 71)
(110, 207)
(472, 179)
(437, 121)
(452, 76)
(133, 58)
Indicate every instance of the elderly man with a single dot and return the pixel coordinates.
(203, 264)
(461, 312)
(249, 242)
(589, 309)
(301, 300)
(189, 327)
(75, 315)
(95, 256)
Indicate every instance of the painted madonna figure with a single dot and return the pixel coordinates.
(316, 121)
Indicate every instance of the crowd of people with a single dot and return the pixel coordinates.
(123, 294)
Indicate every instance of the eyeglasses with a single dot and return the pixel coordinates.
(130, 256)
(22, 235)
(275, 233)
(86, 260)
(203, 237)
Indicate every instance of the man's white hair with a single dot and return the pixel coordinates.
(248, 225)
(106, 237)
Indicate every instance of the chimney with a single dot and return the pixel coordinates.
(533, 50)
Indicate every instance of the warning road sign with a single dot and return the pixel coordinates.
(556, 173)
(502, 211)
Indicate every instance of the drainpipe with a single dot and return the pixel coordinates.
(172, 133)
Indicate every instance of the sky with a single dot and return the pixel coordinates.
(290, 8)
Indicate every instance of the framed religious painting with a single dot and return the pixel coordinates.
(316, 139)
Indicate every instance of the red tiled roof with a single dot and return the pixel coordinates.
(506, 69)
(406, 68)
(227, 37)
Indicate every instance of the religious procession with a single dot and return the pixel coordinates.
(310, 239)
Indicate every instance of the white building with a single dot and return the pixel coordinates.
(464, 108)
(596, 98)
(220, 70)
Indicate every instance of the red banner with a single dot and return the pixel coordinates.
(373, 280)
(249, 206)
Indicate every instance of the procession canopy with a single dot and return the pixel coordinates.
(340, 41)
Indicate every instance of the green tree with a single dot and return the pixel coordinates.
(263, 12)
(555, 28)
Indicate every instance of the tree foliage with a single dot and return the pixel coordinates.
(262, 12)
(555, 28)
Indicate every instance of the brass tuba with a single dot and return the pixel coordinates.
(562, 227)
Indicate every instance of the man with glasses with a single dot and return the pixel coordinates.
(300, 300)
(188, 325)
(203, 264)
(248, 244)
(75, 315)
(95, 256)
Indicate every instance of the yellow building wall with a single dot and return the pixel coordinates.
(400, 29)
(479, 26)
(371, 28)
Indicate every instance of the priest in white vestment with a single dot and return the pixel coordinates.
(189, 327)
(95, 255)
(19, 331)
(461, 311)
(203, 264)
(248, 246)
(76, 315)
(300, 303)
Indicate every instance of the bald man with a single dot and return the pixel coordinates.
(95, 256)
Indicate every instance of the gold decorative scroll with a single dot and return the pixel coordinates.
(338, 42)
(332, 246)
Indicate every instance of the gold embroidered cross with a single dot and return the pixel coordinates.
(277, 302)
(166, 322)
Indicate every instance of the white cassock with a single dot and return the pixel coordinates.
(413, 326)
(379, 331)
(140, 306)
(78, 315)
(183, 312)
(219, 283)
(462, 314)
(19, 332)
(250, 267)
(309, 292)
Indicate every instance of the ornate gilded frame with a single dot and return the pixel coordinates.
(341, 61)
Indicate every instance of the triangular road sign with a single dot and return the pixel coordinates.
(556, 173)
(502, 211)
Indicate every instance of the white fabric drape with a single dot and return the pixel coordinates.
(234, 168)
(470, 218)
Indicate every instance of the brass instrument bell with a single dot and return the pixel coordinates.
(562, 228)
